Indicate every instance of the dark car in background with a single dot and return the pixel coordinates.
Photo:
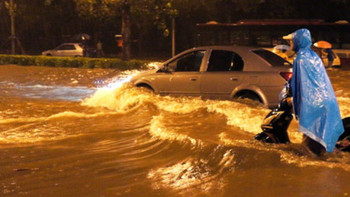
(220, 72)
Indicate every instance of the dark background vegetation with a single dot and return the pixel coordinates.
(44, 24)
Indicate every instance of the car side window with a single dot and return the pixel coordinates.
(189, 62)
(66, 47)
(221, 60)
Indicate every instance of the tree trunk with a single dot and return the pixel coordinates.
(126, 30)
(13, 35)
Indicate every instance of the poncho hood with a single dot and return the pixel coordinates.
(301, 39)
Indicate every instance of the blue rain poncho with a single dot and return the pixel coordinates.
(314, 101)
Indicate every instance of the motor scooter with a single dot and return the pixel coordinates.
(275, 125)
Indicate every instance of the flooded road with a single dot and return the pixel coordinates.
(83, 132)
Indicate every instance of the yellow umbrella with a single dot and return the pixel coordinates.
(323, 44)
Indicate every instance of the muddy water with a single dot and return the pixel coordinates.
(82, 132)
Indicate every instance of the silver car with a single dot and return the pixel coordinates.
(220, 72)
(66, 49)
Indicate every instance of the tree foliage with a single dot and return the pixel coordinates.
(97, 9)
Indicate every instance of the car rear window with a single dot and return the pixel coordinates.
(272, 58)
(221, 60)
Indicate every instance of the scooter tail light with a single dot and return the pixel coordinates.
(286, 75)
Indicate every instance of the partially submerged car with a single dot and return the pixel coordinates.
(220, 72)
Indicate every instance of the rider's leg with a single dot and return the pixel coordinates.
(313, 146)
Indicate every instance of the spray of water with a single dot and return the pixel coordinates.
(115, 93)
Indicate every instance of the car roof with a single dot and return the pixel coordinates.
(71, 43)
(227, 47)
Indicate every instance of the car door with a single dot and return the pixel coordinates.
(182, 76)
(65, 50)
(223, 74)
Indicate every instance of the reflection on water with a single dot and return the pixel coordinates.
(84, 132)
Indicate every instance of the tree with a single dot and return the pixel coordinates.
(142, 14)
(42, 24)
(11, 7)
(126, 30)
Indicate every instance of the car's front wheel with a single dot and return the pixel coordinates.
(145, 87)
(248, 95)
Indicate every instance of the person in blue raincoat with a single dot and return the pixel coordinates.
(314, 101)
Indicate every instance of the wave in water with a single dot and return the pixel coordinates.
(242, 117)
(189, 121)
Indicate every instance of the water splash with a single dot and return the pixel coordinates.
(124, 77)
(118, 81)
(116, 93)
(51, 92)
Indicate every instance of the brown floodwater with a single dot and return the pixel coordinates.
(86, 132)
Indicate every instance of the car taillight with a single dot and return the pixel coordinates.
(286, 75)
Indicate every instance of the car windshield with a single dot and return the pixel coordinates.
(272, 58)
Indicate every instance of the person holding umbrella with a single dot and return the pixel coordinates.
(326, 51)
(314, 102)
(330, 56)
